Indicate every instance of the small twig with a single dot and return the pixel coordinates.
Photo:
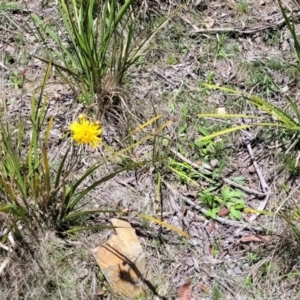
(11, 239)
(3, 66)
(173, 204)
(291, 194)
(7, 260)
(193, 25)
(297, 3)
(6, 248)
(292, 144)
(203, 165)
(4, 264)
(165, 78)
(244, 188)
(224, 221)
(263, 184)
(242, 30)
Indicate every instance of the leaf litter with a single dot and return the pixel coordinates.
(216, 250)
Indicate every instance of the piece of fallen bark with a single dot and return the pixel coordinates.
(255, 238)
(123, 263)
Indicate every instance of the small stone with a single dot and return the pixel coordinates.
(214, 163)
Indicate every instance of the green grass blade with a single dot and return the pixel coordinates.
(291, 27)
(164, 224)
(65, 55)
(222, 132)
(49, 126)
(222, 88)
(294, 108)
(262, 104)
(8, 190)
(78, 182)
(46, 169)
(122, 11)
(284, 126)
(186, 177)
(273, 111)
(60, 168)
(13, 209)
(45, 80)
(13, 163)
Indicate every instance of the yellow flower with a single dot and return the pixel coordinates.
(86, 132)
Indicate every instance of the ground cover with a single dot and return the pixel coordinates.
(236, 195)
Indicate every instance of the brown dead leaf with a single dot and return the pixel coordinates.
(211, 227)
(185, 292)
(255, 238)
(223, 212)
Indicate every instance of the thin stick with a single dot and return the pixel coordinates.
(206, 166)
(263, 184)
(242, 30)
(6, 248)
(244, 188)
(4, 264)
(3, 66)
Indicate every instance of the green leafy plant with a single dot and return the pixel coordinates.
(209, 149)
(230, 198)
(233, 201)
(101, 45)
(16, 79)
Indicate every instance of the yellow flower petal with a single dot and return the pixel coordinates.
(85, 132)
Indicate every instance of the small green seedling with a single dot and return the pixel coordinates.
(229, 198)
